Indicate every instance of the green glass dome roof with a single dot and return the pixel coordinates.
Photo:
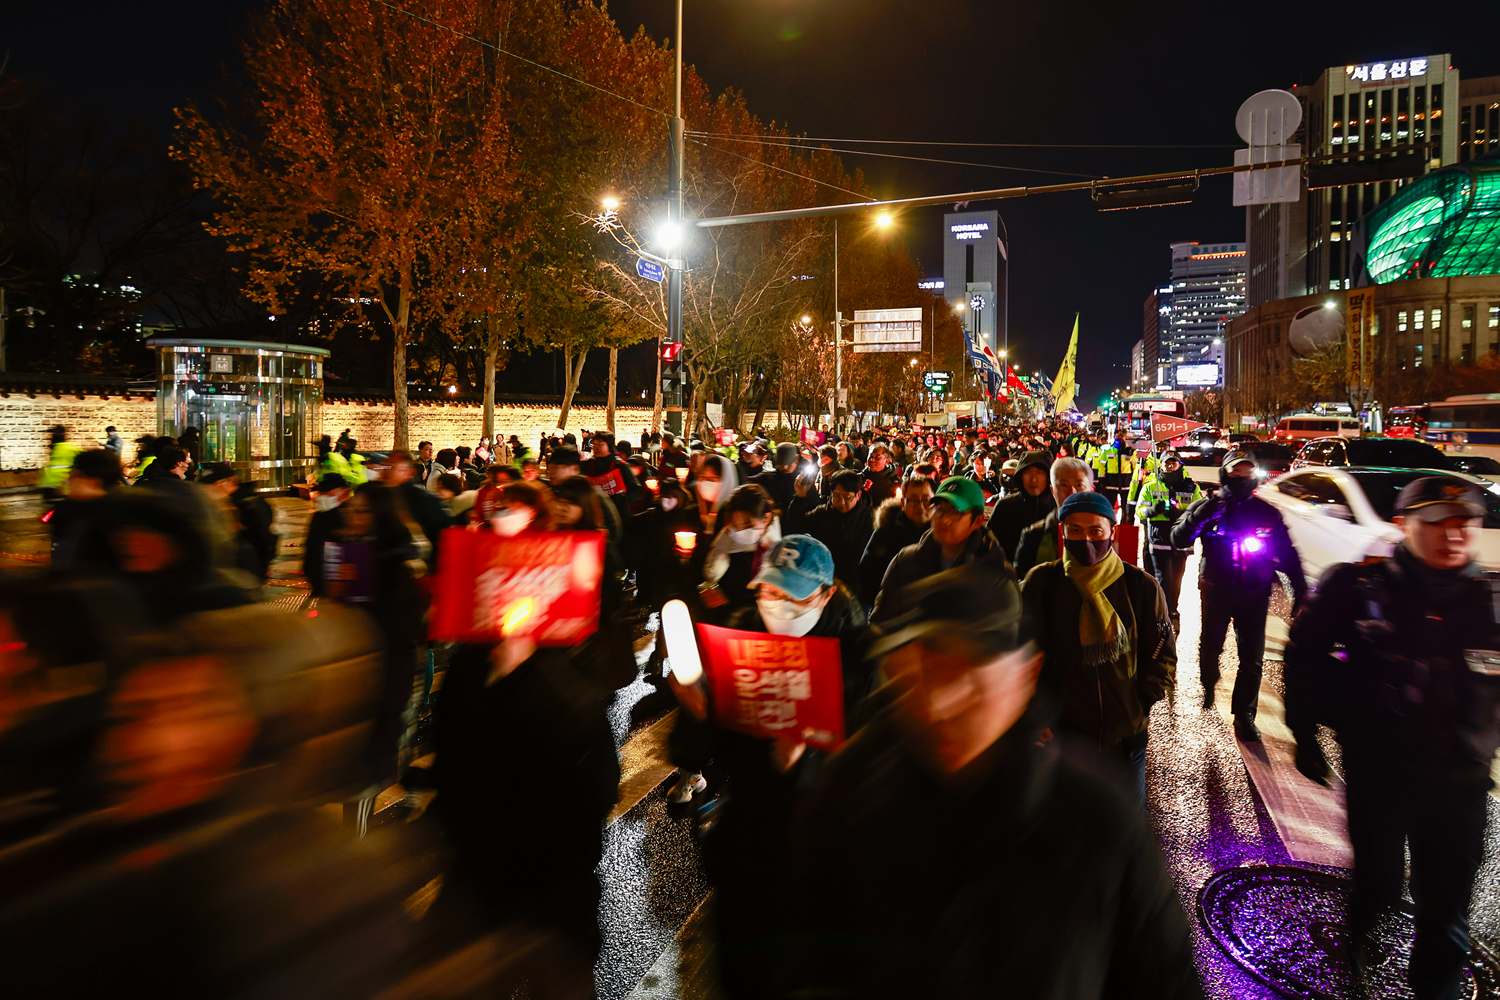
(1438, 226)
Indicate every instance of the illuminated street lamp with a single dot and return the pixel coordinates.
(883, 220)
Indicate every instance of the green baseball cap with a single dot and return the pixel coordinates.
(964, 494)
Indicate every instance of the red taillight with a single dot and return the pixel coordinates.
(48, 516)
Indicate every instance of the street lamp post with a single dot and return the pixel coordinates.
(675, 214)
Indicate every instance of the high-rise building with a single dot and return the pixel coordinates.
(1478, 118)
(1208, 290)
(1155, 313)
(1397, 117)
(974, 272)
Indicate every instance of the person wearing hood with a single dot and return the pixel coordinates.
(1245, 543)
(752, 460)
(1104, 629)
(1031, 504)
(1165, 494)
(1040, 542)
(881, 476)
(748, 855)
(711, 487)
(749, 531)
(781, 480)
(1394, 656)
(957, 536)
(844, 523)
(899, 522)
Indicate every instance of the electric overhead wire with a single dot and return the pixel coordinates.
(763, 163)
(986, 145)
(898, 156)
(513, 55)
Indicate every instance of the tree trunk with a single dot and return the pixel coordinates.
(401, 434)
(656, 407)
(491, 356)
(571, 376)
(614, 376)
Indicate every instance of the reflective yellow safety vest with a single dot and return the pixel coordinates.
(1112, 462)
(58, 464)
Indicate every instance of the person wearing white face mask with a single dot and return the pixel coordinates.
(749, 528)
(715, 481)
(749, 855)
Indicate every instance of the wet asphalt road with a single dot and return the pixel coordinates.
(1206, 810)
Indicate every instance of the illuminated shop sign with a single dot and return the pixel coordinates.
(1396, 69)
(969, 230)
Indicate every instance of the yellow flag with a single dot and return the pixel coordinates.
(1063, 387)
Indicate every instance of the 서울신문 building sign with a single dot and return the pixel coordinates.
(1382, 72)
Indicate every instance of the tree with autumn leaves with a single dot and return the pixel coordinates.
(424, 166)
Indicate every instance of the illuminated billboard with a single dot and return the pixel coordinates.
(880, 330)
(1197, 374)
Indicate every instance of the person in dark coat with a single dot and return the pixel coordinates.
(844, 523)
(899, 522)
(881, 476)
(748, 853)
(781, 480)
(94, 474)
(255, 541)
(1104, 629)
(1039, 542)
(1012, 514)
(422, 505)
(957, 536)
(944, 854)
(1397, 657)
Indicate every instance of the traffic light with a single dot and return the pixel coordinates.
(673, 374)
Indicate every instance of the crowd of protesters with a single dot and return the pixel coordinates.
(999, 658)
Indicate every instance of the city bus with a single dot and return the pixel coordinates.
(1460, 425)
(1135, 418)
(1406, 422)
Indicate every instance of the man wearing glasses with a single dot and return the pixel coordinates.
(958, 537)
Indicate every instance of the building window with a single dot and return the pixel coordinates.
(1418, 322)
(1338, 119)
(1401, 358)
(1495, 317)
(1466, 352)
(1401, 321)
(1465, 116)
(1416, 356)
(1435, 116)
(1494, 124)
(1437, 320)
(1468, 321)
(1385, 118)
(1419, 114)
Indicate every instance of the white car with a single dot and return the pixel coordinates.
(1344, 515)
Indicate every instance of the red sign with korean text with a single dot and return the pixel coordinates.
(543, 585)
(725, 435)
(611, 483)
(775, 685)
(1164, 426)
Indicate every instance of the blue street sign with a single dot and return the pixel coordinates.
(649, 270)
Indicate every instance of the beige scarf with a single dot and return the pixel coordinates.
(1099, 630)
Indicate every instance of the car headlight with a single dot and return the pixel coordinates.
(1261, 473)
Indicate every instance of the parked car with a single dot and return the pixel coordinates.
(1200, 446)
(1344, 515)
(1398, 453)
(1475, 465)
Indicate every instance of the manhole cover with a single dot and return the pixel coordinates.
(1285, 927)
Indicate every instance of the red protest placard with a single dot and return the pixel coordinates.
(539, 584)
(775, 685)
(612, 483)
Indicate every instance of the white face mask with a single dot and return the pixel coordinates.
(708, 489)
(513, 520)
(785, 618)
(326, 502)
(745, 536)
(668, 503)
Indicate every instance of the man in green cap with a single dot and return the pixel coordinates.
(957, 536)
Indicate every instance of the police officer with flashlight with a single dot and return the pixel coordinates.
(1402, 659)
(1244, 544)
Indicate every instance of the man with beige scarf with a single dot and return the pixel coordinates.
(1110, 652)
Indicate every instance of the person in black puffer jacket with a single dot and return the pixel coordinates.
(1015, 513)
(844, 524)
(899, 522)
(957, 537)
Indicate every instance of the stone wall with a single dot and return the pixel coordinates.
(25, 420)
(447, 425)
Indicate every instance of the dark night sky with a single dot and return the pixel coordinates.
(971, 70)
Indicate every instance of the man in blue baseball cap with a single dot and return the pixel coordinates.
(749, 858)
(1110, 652)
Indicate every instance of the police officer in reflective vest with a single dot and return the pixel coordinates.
(1402, 659)
(1114, 465)
(1162, 499)
(1244, 544)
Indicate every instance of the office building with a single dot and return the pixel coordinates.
(1478, 118)
(1155, 313)
(1208, 290)
(1393, 121)
(974, 272)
